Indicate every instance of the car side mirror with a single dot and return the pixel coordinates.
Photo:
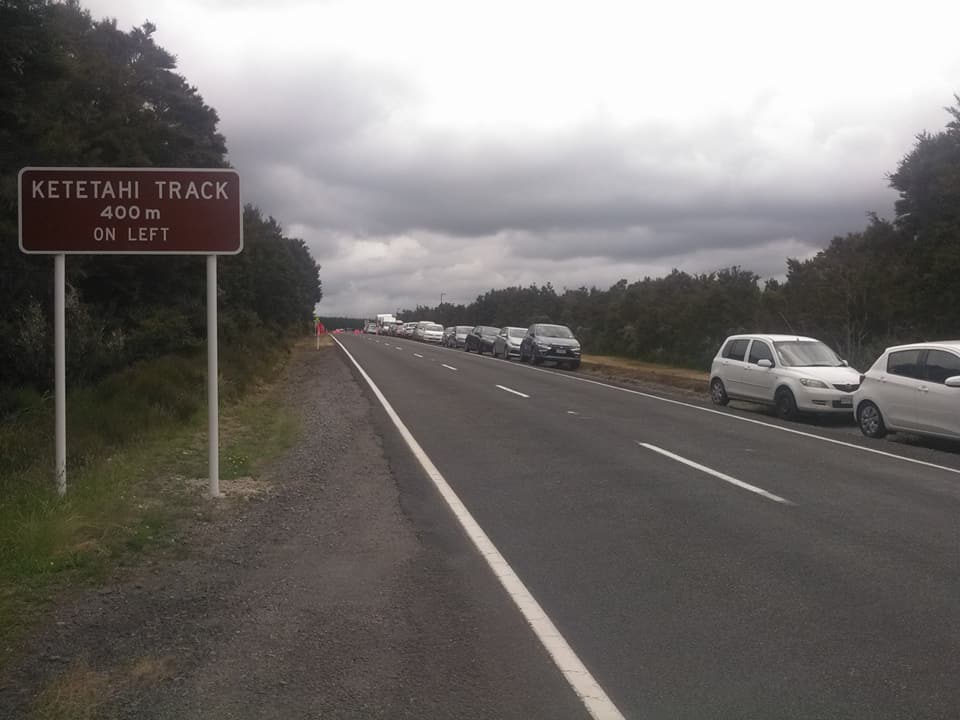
(764, 363)
(953, 381)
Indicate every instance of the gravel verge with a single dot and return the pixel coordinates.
(345, 591)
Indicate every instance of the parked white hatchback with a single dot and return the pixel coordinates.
(913, 388)
(792, 373)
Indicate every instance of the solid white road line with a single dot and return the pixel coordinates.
(716, 474)
(417, 355)
(523, 395)
(596, 701)
(449, 367)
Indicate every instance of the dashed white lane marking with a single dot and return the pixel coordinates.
(418, 355)
(716, 474)
(593, 697)
(740, 418)
(572, 412)
(449, 367)
(398, 347)
(515, 392)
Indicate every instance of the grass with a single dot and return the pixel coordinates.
(665, 374)
(133, 441)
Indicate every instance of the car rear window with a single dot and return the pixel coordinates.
(735, 349)
(905, 363)
(942, 365)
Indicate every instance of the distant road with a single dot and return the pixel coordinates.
(701, 563)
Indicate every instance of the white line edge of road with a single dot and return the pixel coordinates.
(510, 390)
(594, 698)
(710, 471)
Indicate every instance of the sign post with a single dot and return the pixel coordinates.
(131, 211)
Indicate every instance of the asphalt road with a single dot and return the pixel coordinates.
(802, 578)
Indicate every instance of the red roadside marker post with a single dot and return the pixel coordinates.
(131, 211)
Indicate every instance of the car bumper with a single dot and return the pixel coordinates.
(825, 401)
(433, 340)
(558, 357)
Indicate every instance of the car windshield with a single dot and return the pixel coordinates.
(489, 331)
(516, 332)
(555, 331)
(806, 353)
(463, 329)
(434, 327)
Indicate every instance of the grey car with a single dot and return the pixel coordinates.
(550, 342)
(507, 343)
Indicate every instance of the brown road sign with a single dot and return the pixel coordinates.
(143, 211)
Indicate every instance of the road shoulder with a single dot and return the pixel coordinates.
(347, 591)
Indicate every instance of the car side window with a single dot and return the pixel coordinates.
(941, 365)
(735, 349)
(905, 363)
(759, 350)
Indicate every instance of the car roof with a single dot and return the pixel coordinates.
(933, 344)
(775, 337)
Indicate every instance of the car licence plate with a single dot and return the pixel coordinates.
(561, 351)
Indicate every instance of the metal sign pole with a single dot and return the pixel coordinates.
(213, 399)
(60, 370)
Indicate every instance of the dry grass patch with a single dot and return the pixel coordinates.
(79, 693)
(636, 370)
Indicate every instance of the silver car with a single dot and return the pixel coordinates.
(507, 343)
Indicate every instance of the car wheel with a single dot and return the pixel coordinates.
(575, 365)
(718, 393)
(534, 360)
(785, 404)
(870, 420)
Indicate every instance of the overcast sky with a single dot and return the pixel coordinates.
(422, 147)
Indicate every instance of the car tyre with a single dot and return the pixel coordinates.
(785, 404)
(870, 420)
(718, 393)
(534, 360)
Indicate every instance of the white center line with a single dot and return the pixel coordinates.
(449, 367)
(716, 474)
(398, 347)
(417, 355)
(523, 395)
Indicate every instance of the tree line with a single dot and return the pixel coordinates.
(894, 281)
(79, 92)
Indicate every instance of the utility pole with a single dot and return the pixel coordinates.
(441, 298)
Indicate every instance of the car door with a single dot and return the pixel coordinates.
(733, 358)
(759, 382)
(500, 343)
(938, 406)
(899, 387)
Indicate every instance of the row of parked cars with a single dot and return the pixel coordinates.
(536, 344)
(912, 388)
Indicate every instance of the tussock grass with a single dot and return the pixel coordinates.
(131, 441)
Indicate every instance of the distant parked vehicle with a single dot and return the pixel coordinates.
(480, 338)
(507, 342)
(914, 388)
(406, 330)
(793, 374)
(370, 327)
(430, 332)
(458, 337)
(550, 342)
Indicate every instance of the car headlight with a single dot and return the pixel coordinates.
(810, 382)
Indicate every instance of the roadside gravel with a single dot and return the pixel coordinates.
(345, 591)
